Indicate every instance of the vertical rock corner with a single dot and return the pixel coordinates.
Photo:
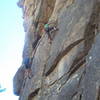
(69, 67)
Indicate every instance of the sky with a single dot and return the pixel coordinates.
(11, 45)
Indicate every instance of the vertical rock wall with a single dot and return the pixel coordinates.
(68, 68)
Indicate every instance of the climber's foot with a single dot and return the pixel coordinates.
(50, 41)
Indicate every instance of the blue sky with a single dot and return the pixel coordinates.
(11, 45)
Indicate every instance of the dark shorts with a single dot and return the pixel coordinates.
(48, 30)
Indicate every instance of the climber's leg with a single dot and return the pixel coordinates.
(49, 36)
(27, 63)
(28, 73)
(47, 31)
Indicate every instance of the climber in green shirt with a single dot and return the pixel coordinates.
(48, 30)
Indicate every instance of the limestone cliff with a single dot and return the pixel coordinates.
(69, 67)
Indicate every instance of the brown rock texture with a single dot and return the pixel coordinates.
(69, 67)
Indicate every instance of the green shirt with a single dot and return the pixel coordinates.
(46, 26)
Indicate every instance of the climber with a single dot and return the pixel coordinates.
(48, 30)
(27, 64)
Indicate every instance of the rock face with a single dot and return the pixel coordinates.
(18, 80)
(69, 67)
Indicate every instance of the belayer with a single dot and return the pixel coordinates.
(27, 62)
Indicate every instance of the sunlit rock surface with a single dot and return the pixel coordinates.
(69, 67)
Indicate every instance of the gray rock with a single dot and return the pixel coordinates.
(92, 77)
(68, 68)
(18, 81)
